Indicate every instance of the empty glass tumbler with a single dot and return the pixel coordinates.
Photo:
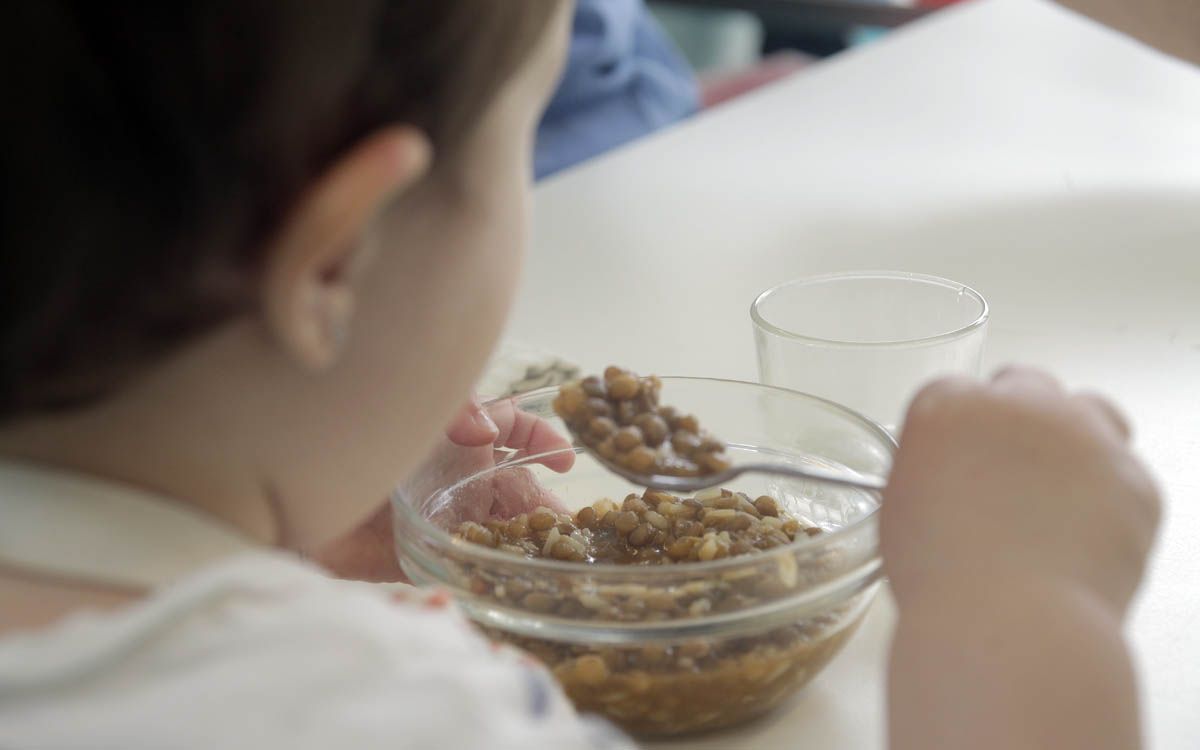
(868, 339)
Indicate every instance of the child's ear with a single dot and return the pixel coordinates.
(307, 292)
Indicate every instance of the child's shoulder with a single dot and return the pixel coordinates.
(253, 607)
(265, 647)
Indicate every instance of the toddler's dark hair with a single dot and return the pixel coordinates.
(149, 148)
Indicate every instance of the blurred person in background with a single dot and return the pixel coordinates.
(624, 78)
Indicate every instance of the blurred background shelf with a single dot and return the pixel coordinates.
(818, 12)
(722, 35)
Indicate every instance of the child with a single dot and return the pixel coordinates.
(254, 254)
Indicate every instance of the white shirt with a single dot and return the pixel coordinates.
(253, 650)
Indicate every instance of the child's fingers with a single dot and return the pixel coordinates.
(530, 435)
(506, 494)
(472, 427)
(560, 462)
(1026, 380)
(932, 399)
(1107, 411)
(516, 490)
(1018, 379)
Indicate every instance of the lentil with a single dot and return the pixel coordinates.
(667, 688)
(619, 417)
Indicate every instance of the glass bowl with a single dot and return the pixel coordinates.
(673, 649)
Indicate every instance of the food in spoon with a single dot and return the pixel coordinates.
(619, 417)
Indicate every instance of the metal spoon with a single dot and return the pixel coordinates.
(688, 485)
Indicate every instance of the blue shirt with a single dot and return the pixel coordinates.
(623, 79)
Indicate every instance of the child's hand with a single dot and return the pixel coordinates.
(476, 439)
(1015, 529)
(1002, 485)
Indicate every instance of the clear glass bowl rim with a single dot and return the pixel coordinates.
(442, 539)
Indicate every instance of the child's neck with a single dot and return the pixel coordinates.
(119, 444)
(143, 450)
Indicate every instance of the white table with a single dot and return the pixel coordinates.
(1006, 144)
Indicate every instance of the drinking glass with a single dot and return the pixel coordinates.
(868, 339)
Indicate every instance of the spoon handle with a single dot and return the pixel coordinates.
(842, 478)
